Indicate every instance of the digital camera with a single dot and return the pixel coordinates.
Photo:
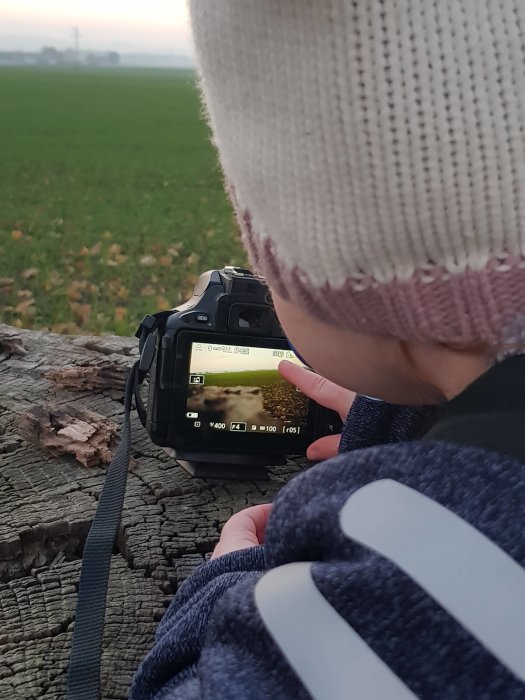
(215, 394)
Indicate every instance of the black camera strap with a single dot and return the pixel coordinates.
(86, 649)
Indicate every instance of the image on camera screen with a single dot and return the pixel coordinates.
(239, 389)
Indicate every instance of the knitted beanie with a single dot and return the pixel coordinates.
(375, 153)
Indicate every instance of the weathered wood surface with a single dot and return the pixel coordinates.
(170, 521)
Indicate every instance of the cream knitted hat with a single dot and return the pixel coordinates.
(375, 151)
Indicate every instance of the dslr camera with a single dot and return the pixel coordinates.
(216, 401)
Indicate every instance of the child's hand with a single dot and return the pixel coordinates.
(244, 529)
(327, 394)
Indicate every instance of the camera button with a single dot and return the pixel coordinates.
(201, 318)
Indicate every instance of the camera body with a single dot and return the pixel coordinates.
(215, 395)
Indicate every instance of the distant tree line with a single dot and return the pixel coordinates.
(51, 56)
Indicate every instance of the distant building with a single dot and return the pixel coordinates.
(18, 58)
(50, 56)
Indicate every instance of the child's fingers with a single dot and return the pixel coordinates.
(324, 448)
(244, 529)
(249, 523)
(317, 388)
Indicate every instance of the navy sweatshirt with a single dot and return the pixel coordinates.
(395, 570)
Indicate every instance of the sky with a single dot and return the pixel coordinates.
(151, 26)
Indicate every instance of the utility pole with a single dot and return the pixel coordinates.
(76, 38)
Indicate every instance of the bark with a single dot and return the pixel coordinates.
(60, 403)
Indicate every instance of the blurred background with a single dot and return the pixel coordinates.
(111, 198)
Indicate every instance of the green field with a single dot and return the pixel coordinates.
(249, 378)
(111, 199)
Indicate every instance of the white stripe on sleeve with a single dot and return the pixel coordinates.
(332, 661)
(474, 580)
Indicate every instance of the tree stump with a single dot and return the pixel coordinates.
(60, 411)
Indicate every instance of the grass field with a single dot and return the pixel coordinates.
(111, 200)
(247, 378)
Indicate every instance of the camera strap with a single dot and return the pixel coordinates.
(86, 648)
(88, 633)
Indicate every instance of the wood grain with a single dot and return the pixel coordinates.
(170, 521)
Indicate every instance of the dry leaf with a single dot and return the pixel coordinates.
(29, 273)
(175, 249)
(82, 312)
(147, 261)
(123, 293)
(162, 302)
(192, 260)
(25, 308)
(16, 234)
(106, 234)
(95, 250)
(25, 294)
(74, 291)
(6, 282)
(120, 313)
(54, 280)
(147, 291)
(83, 251)
(115, 249)
(165, 260)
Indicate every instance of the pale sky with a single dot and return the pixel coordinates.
(152, 26)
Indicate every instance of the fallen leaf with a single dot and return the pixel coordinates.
(6, 282)
(16, 234)
(147, 291)
(115, 249)
(29, 273)
(74, 291)
(25, 294)
(192, 260)
(82, 312)
(147, 261)
(162, 302)
(54, 280)
(120, 313)
(165, 260)
(175, 249)
(123, 293)
(83, 251)
(25, 308)
(106, 234)
(95, 250)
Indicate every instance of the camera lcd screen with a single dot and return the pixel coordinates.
(238, 389)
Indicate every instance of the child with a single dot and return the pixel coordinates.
(375, 154)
